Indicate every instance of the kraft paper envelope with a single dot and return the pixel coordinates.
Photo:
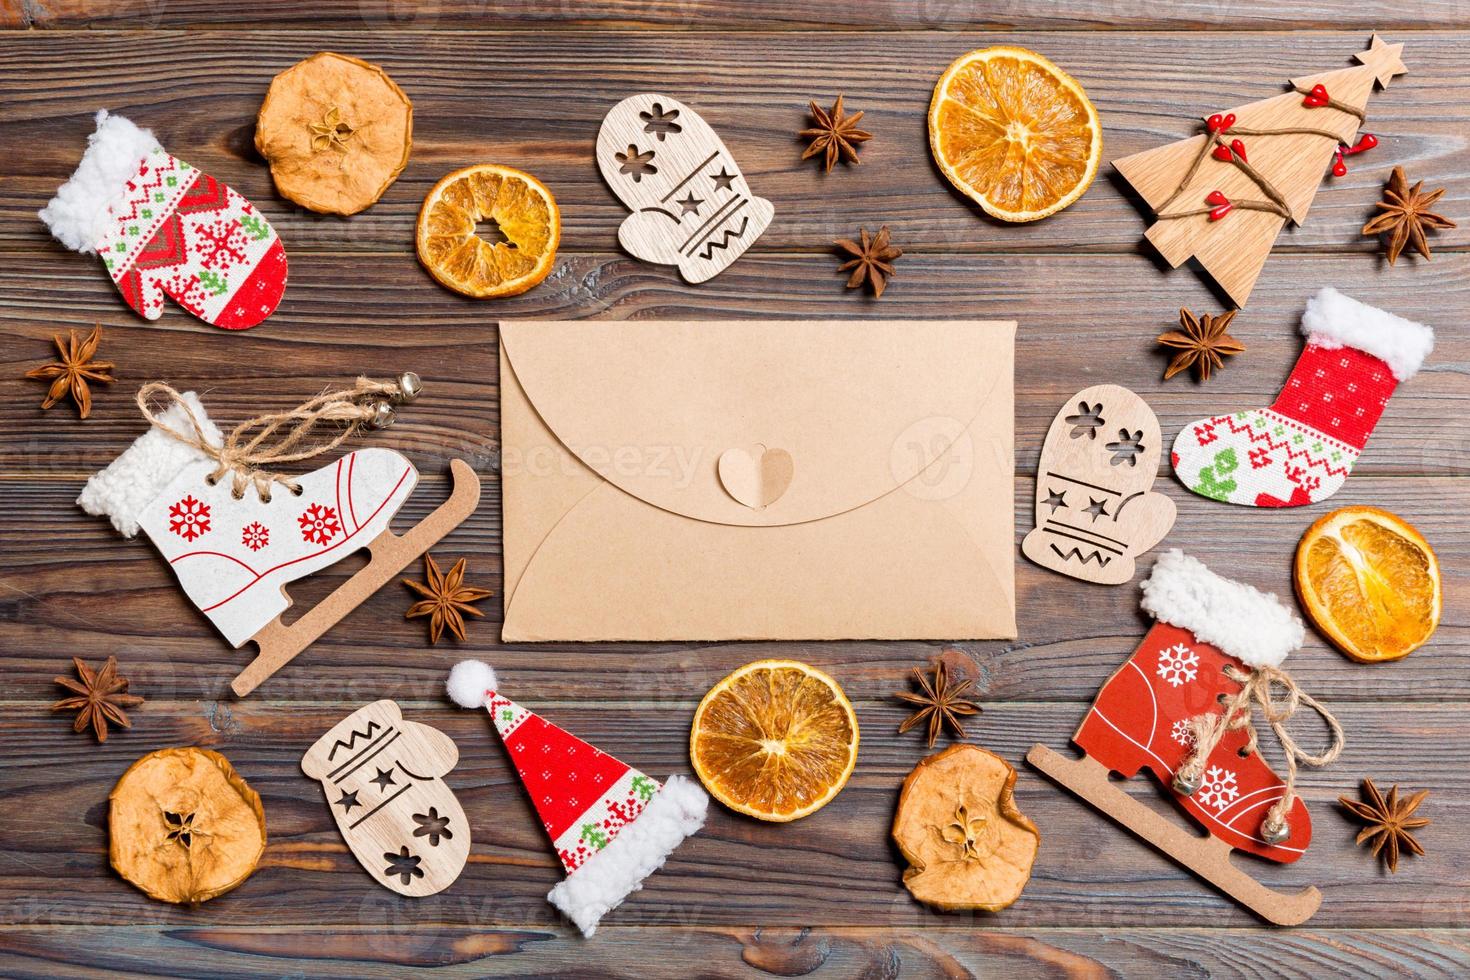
(896, 523)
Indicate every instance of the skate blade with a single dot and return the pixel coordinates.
(1209, 858)
(391, 553)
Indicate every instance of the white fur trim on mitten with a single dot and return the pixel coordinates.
(131, 481)
(1254, 627)
(78, 215)
(618, 870)
(1333, 320)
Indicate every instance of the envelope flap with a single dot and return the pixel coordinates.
(861, 407)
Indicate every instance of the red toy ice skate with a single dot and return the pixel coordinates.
(1181, 708)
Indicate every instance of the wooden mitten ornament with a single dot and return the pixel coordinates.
(381, 776)
(164, 228)
(1183, 707)
(691, 205)
(1095, 511)
(236, 533)
(1223, 196)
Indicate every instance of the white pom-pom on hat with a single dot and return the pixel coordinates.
(468, 682)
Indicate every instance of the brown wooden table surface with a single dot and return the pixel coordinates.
(526, 84)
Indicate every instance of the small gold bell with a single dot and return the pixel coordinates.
(409, 386)
(382, 416)
(1274, 830)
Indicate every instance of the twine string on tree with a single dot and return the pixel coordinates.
(1277, 203)
(284, 437)
(1256, 687)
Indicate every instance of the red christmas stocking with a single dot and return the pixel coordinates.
(1301, 449)
(164, 228)
(1211, 637)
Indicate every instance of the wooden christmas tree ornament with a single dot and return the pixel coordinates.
(1223, 196)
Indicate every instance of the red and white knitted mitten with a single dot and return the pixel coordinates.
(1301, 449)
(163, 227)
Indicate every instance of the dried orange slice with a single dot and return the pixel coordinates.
(1014, 133)
(775, 740)
(488, 231)
(1370, 582)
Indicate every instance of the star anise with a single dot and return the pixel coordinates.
(1406, 215)
(69, 376)
(939, 702)
(1202, 343)
(835, 134)
(872, 259)
(446, 599)
(101, 698)
(331, 132)
(1387, 822)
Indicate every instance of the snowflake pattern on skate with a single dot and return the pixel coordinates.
(189, 518)
(319, 525)
(1182, 733)
(1218, 789)
(1177, 664)
(220, 243)
(255, 536)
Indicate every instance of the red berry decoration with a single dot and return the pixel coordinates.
(1218, 123)
(1224, 152)
(1365, 142)
(1220, 205)
(1317, 97)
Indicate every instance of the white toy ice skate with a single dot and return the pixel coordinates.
(236, 536)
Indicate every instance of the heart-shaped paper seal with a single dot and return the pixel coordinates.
(756, 481)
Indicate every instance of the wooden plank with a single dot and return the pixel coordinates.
(382, 314)
(1099, 901)
(500, 97)
(706, 15)
(1072, 636)
(836, 866)
(88, 593)
(973, 947)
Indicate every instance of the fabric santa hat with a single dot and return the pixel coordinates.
(611, 825)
